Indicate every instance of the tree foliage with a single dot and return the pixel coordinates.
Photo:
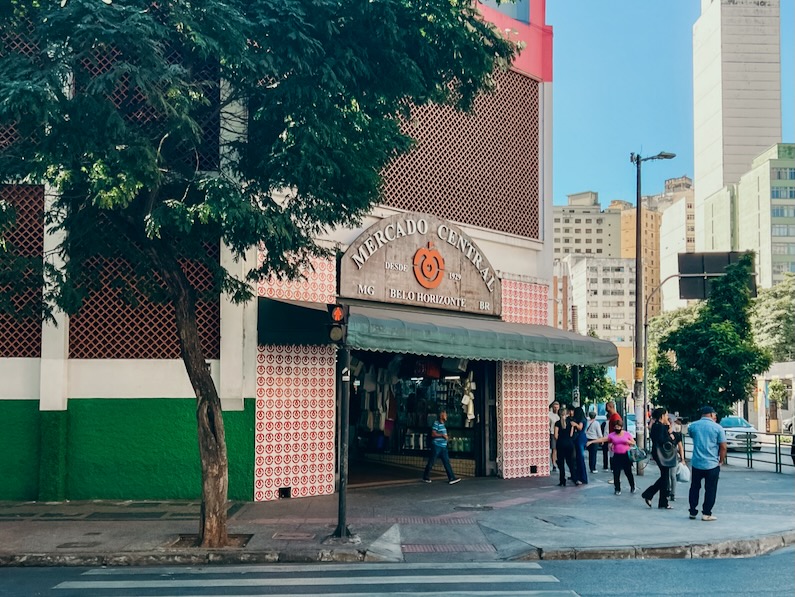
(713, 359)
(773, 319)
(778, 392)
(167, 127)
(659, 326)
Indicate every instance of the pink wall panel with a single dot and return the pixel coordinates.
(523, 390)
(319, 285)
(295, 421)
(296, 411)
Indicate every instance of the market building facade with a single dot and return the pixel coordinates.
(448, 281)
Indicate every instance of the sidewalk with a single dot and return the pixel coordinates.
(484, 519)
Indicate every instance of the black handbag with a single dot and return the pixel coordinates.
(666, 454)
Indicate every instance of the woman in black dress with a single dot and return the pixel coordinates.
(663, 451)
(564, 443)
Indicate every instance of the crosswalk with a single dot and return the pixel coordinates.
(484, 579)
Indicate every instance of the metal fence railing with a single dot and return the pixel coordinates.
(758, 450)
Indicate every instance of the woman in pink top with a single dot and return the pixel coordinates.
(621, 442)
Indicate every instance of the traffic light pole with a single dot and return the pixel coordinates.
(344, 389)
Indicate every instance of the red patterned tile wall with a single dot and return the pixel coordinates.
(319, 284)
(523, 390)
(295, 421)
(296, 410)
(480, 168)
(22, 338)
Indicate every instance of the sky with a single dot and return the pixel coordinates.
(622, 83)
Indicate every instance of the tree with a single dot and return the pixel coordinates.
(773, 319)
(120, 107)
(659, 326)
(778, 396)
(712, 360)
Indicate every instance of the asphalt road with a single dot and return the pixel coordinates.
(772, 574)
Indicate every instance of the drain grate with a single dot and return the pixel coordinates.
(285, 536)
(447, 548)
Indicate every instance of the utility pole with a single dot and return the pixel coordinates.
(637, 389)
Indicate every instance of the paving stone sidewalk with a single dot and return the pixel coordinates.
(483, 519)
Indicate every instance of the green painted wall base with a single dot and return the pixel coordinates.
(19, 446)
(53, 451)
(136, 449)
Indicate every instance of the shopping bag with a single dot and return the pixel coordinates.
(635, 454)
(682, 473)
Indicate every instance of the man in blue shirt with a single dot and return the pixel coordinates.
(439, 450)
(709, 450)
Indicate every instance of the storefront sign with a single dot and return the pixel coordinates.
(420, 260)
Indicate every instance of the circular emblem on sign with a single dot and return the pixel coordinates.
(428, 267)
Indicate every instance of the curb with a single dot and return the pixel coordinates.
(735, 548)
(181, 557)
(722, 549)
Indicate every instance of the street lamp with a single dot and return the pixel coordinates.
(637, 388)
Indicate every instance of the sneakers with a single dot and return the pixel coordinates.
(618, 493)
(633, 490)
(427, 481)
(709, 517)
(610, 481)
(594, 472)
(454, 481)
(692, 517)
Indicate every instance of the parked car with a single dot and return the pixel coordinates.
(738, 431)
(787, 425)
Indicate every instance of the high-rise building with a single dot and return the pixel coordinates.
(766, 200)
(677, 235)
(736, 104)
(650, 238)
(579, 228)
(602, 294)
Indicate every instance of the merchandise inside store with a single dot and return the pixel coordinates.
(394, 401)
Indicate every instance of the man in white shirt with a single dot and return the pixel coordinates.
(593, 430)
(553, 418)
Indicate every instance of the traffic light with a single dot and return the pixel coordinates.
(337, 329)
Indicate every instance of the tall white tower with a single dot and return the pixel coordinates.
(736, 101)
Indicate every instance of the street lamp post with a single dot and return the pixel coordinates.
(637, 388)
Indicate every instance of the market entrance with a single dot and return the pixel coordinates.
(394, 400)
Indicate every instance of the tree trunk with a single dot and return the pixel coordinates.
(212, 441)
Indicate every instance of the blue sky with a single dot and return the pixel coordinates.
(622, 82)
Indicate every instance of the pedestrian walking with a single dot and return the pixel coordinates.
(564, 442)
(709, 450)
(612, 419)
(621, 441)
(664, 455)
(554, 407)
(579, 444)
(679, 446)
(593, 430)
(439, 450)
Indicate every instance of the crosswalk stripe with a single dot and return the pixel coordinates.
(295, 568)
(292, 581)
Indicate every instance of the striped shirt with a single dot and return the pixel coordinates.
(439, 428)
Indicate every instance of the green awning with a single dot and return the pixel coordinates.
(425, 333)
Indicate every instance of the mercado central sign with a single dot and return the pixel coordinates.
(423, 261)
